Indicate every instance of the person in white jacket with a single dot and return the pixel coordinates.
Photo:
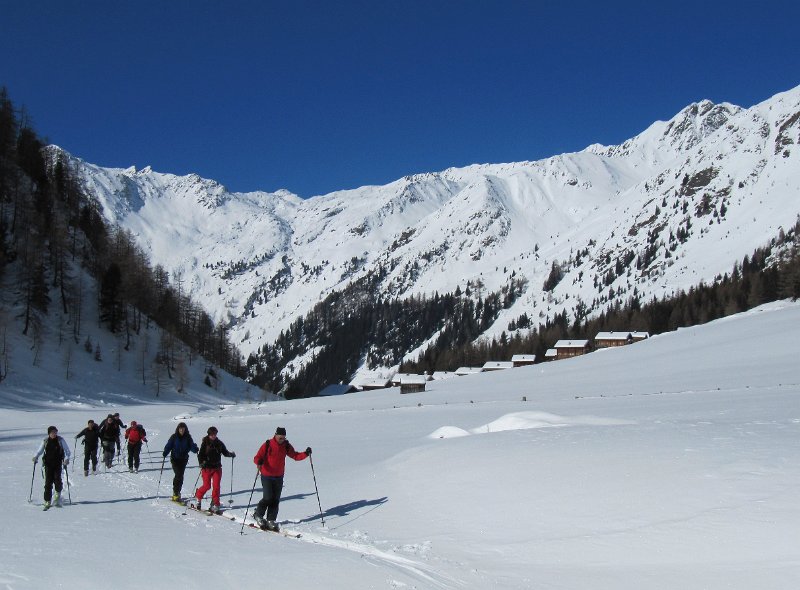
(56, 455)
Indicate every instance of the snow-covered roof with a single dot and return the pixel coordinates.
(551, 352)
(640, 335)
(467, 370)
(572, 343)
(399, 376)
(612, 336)
(374, 384)
(407, 379)
(521, 358)
(495, 365)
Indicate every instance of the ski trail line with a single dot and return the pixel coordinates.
(138, 484)
(426, 573)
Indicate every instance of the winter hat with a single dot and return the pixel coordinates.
(280, 430)
(51, 429)
(212, 430)
(133, 422)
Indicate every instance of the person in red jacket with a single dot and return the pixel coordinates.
(271, 461)
(135, 435)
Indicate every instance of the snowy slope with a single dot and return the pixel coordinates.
(724, 175)
(671, 463)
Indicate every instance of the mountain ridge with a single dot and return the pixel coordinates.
(686, 198)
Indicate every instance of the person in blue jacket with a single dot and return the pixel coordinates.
(178, 448)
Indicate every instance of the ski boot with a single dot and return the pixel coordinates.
(260, 522)
(85, 473)
(273, 526)
(176, 498)
(214, 509)
(46, 505)
(57, 500)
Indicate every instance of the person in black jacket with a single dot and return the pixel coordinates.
(121, 427)
(210, 457)
(178, 448)
(109, 435)
(56, 454)
(91, 436)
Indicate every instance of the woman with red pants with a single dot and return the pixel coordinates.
(210, 456)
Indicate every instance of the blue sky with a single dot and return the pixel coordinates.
(321, 96)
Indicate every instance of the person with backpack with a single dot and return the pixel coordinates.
(178, 447)
(271, 461)
(135, 435)
(56, 454)
(109, 435)
(91, 436)
(121, 426)
(210, 456)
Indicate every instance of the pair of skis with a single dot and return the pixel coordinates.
(191, 506)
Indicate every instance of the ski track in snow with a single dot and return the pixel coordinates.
(143, 484)
(768, 387)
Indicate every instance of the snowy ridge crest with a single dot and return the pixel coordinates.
(675, 205)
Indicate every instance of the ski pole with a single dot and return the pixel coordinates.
(322, 516)
(148, 450)
(33, 476)
(241, 531)
(196, 480)
(69, 493)
(230, 500)
(158, 489)
(74, 453)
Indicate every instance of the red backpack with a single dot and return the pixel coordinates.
(135, 434)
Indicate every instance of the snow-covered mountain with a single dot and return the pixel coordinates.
(675, 205)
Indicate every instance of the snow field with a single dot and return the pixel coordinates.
(669, 463)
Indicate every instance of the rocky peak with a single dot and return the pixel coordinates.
(697, 122)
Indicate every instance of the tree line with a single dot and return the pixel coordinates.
(54, 239)
(769, 274)
(360, 325)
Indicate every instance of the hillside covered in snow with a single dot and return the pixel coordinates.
(673, 206)
(670, 463)
(573, 235)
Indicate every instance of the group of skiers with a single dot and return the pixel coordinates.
(270, 459)
(55, 451)
(107, 436)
